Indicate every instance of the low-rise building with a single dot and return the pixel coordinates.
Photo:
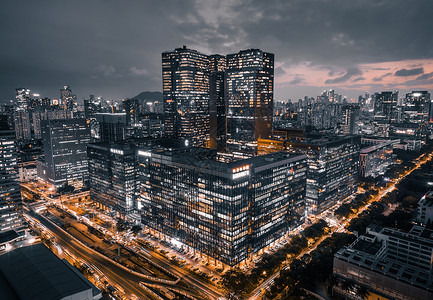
(374, 160)
(390, 263)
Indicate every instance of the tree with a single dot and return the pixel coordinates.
(65, 189)
(362, 291)
(235, 282)
(136, 229)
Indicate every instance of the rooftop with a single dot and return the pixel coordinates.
(34, 272)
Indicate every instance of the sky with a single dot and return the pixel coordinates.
(113, 48)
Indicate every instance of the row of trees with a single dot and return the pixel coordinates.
(237, 283)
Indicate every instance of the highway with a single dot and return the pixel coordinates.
(115, 274)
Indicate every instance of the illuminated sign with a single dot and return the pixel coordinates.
(116, 151)
(144, 153)
(240, 172)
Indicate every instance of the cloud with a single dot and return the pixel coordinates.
(139, 72)
(376, 79)
(104, 70)
(350, 72)
(358, 79)
(296, 80)
(380, 69)
(425, 76)
(409, 72)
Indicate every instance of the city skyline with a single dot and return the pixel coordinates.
(348, 46)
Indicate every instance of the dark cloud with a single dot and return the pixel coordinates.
(376, 79)
(410, 72)
(380, 69)
(297, 80)
(113, 48)
(358, 79)
(350, 72)
(425, 76)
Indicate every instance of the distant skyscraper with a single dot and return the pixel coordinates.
(65, 143)
(385, 106)
(132, 110)
(417, 107)
(112, 126)
(185, 79)
(67, 99)
(22, 116)
(10, 191)
(217, 102)
(350, 114)
(250, 93)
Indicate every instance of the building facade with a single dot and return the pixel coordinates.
(65, 159)
(249, 98)
(10, 190)
(112, 127)
(390, 263)
(185, 80)
(226, 210)
(333, 163)
(112, 176)
(374, 160)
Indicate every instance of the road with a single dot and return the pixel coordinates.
(267, 283)
(115, 274)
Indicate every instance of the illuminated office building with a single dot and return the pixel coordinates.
(225, 209)
(112, 126)
(385, 107)
(65, 159)
(185, 79)
(112, 176)
(68, 100)
(249, 98)
(417, 107)
(10, 190)
(217, 102)
(333, 163)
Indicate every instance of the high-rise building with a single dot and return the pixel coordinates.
(10, 190)
(112, 176)
(217, 102)
(350, 115)
(385, 105)
(65, 159)
(68, 100)
(112, 126)
(333, 163)
(185, 79)
(249, 98)
(21, 115)
(226, 210)
(132, 110)
(417, 107)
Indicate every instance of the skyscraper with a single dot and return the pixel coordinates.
(112, 126)
(217, 102)
(250, 93)
(417, 107)
(67, 100)
(65, 143)
(10, 192)
(185, 78)
(22, 115)
(385, 107)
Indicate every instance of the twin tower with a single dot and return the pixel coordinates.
(216, 101)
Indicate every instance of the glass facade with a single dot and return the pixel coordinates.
(10, 191)
(333, 163)
(65, 144)
(185, 80)
(112, 175)
(249, 96)
(226, 210)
